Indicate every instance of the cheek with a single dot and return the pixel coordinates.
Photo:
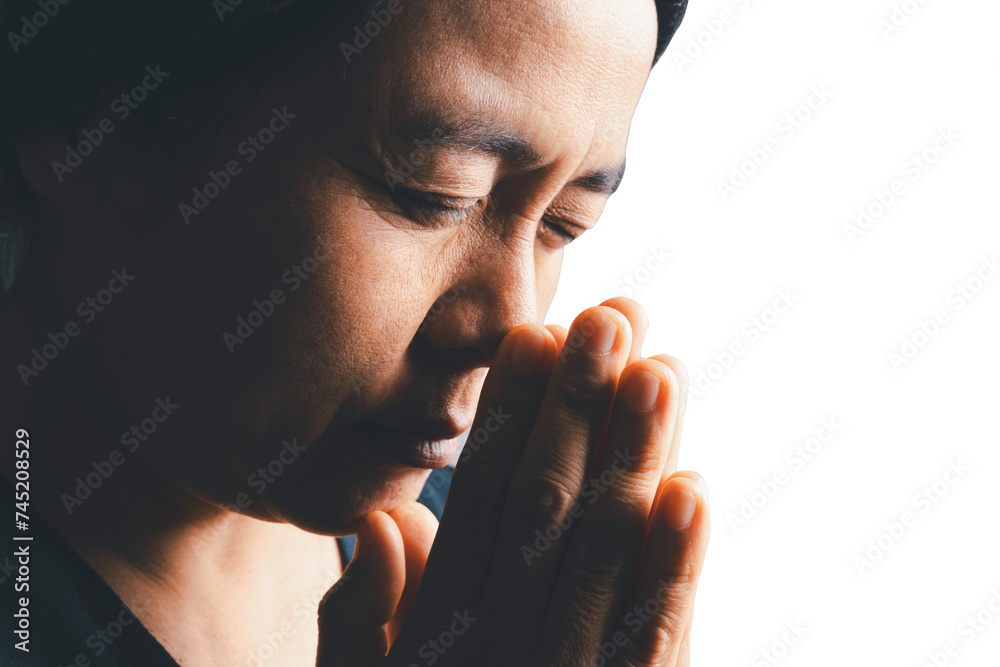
(261, 324)
(334, 351)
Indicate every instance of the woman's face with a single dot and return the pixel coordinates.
(357, 267)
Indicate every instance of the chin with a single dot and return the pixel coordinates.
(326, 507)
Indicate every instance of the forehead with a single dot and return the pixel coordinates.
(565, 76)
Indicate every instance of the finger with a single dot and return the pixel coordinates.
(637, 318)
(605, 544)
(417, 525)
(684, 656)
(352, 613)
(506, 413)
(659, 610)
(543, 491)
(683, 379)
(559, 332)
(639, 322)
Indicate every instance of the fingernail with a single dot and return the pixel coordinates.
(529, 351)
(680, 508)
(600, 333)
(641, 390)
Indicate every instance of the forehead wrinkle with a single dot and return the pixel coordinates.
(479, 133)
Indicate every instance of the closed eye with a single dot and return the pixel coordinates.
(442, 211)
(436, 210)
(559, 235)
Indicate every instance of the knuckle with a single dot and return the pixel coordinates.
(538, 501)
(642, 462)
(594, 561)
(576, 393)
(674, 586)
(619, 492)
(630, 464)
(653, 644)
(667, 612)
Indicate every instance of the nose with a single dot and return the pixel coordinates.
(495, 292)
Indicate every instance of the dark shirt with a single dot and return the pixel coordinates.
(76, 618)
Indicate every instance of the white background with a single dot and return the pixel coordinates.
(856, 295)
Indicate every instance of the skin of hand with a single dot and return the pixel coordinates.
(363, 616)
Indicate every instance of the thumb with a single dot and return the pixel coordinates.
(352, 613)
(418, 526)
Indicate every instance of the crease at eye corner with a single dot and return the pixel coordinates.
(434, 209)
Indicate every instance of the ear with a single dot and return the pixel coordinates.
(54, 165)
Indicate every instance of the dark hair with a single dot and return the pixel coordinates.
(62, 54)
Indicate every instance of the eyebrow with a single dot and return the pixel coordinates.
(480, 135)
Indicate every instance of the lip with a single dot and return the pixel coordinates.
(416, 450)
